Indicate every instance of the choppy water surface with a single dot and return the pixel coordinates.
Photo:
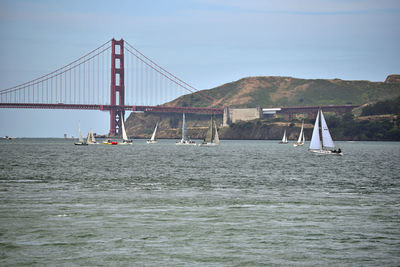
(242, 203)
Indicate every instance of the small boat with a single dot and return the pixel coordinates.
(153, 139)
(212, 138)
(301, 140)
(80, 142)
(125, 139)
(110, 142)
(326, 147)
(185, 140)
(284, 138)
(91, 140)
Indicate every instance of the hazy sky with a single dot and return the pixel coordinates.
(204, 42)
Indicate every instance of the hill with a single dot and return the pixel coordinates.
(284, 91)
(272, 91)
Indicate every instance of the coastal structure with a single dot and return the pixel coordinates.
(232, 115)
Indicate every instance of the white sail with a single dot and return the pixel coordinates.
(284, 138)
(315, 143)
(89, 138)
(93, 138)
(153, 137)
(301, 135)
(303, 140)
(124, 136)
(80, 133)
(216, 137)
(184, 137)
(326, 136)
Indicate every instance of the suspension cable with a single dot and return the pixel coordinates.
(210, 98)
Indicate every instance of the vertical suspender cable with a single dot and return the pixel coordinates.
(88, 88)
(56, 88)
(98, 80)
(137, 82)
(61, 98)
(65, 87)
(75, 85)
(84, 83)
(79, 83)
(102, 78)
(93, 75)
(70, 87)
(108, 74)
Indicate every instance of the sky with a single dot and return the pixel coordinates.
(204, 42)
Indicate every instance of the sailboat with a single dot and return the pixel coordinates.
(153, 139)
(125, 140)
(91, 140)
(212, 138)
(185, 140)
(284, 138)
(80, 141)
(301, 139)
(326, 146)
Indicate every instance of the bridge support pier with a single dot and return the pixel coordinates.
(117, 87)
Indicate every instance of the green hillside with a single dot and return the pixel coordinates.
(272, 91)
(377, 121)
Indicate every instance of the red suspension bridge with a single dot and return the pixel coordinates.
(115, 77)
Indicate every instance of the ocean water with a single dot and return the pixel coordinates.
(244, 203)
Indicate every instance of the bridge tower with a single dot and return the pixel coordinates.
(117, 87)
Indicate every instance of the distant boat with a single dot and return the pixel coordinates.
(80, 138)
(326, 146)
(125, 140)
(110, 142)
(301, 139)
(91, 140)
(185, 140)
(284, 138)
(212, 138)
(153, 139)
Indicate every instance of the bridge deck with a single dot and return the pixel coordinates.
(197, 110)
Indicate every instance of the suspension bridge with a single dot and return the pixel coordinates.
(115, 77)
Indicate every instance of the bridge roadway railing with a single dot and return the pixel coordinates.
(197, 110)
(288, 111)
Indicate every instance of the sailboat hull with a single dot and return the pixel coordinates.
(151, 141)
(128, 142)
(208, 144)
(185, 143)
(80, 144)
(93, 143)
(325, 152)
(298, 144)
